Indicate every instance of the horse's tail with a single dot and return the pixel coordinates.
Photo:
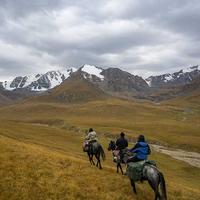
(103, 155)
(163, 185)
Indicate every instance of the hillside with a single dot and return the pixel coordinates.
(188, 95)
(73, 90)
(8, 97)
(47, 162)
(167, 123)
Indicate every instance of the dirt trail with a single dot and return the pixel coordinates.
(191, 158)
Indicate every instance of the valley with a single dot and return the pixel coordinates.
(45, 162)
(41, 142)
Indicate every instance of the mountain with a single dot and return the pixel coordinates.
(110, 81)
(182, 77)
(114, 81)
(39, 82)
(75, 89)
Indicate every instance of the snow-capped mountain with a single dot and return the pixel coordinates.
(182, 77)
(91, 70)
(39, 82)
(113, 79)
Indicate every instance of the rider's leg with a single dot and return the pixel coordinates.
(133, 159)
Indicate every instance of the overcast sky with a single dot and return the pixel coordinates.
(144, 37)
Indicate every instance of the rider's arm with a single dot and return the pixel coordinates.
(135, 147)
(87, 137)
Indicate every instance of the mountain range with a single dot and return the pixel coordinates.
(67, 84)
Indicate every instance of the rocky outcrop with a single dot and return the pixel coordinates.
(117, 80)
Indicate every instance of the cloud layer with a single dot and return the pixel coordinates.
(144, 37)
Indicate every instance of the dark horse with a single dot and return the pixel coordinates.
(116, 158)
(151, 174)
(95, 149)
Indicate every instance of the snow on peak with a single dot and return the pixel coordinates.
(190, 69)
(148, 81)
(39, 82)
(93, 70)
(168, 77)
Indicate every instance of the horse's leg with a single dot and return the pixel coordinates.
(92, 160)
(117, 167)
(99, 161)
(154, 186)
(100, 164)
(89, 158)
(120, 166)
(96, 156)
(133, 185)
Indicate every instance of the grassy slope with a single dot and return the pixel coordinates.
(45, 162)
(40, 148)
(169, 123)
(75, 89)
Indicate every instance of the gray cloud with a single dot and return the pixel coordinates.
(144, 37)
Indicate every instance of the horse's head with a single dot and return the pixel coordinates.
(111, 146)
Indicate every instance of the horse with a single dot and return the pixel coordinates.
(150, 173)
(155, 179)
(95, 149)
(116, 158)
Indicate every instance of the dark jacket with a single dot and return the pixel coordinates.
(121, 143)
(142, 150)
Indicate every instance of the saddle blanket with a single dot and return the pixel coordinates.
(135, 169)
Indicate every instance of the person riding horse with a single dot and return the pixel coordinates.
(121, 145)
(141, 150)
(93, 148)
(91, 136)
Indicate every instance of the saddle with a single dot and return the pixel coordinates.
(135, 169)
(87, 145)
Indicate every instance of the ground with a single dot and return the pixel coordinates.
(44, 162)
(41, 149)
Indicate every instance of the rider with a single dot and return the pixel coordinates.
(121, 144)
(141, 150)
(91, 136)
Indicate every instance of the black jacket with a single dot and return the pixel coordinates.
(121, 143)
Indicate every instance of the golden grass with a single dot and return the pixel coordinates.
(168, 124)
(45, 162)
(41, 155)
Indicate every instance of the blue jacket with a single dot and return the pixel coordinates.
(142, 150)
